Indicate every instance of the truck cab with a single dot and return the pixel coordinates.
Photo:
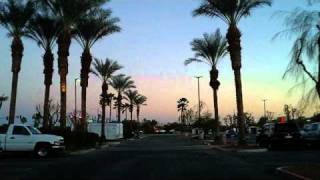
(18, 137)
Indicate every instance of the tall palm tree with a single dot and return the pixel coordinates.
(138, 102)
(104, 70)
(109, 103)
(125, 108)
(231, 12)
(131, 95)
(121, 83)
(69, 14)
(14, 17)
(44, 29)
(210, 49)
(182, 107)
(2, 99)
(89, 30)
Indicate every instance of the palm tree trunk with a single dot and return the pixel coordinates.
(110, 112)
(119, 107)
(64, 41)
(48, 72)
(131, 114)
(318, 85)
(86, 60)
(138, 113)
(103, 121)
(234, 49)
(215, 84)
(17, 53)
(216, 112)
(104, 96)
(126, 114)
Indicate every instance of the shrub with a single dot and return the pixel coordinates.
(75, 139)
(129, 127)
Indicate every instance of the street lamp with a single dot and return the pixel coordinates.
(75, 99)
(198, 77)
(264, 106)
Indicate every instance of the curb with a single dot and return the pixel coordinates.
(289, 174)
(252, 150)
(86, 151)
(240, 150)
(83, 151)
(222, 149)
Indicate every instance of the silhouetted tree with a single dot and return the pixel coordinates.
(43, 29)
(121, 83)
(210, 49)
(131, 95)
(68, 14)
(2, 99)
(90, 29)
(138, 102)
(104, 70)
(304, 26)
(182, 107)
(231, 12)
(14, 17)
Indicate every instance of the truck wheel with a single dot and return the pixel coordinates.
(42, 150)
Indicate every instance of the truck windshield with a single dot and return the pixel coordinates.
(34, 130)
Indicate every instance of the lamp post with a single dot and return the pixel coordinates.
(264, 106)
(75, 100)
(198, 77)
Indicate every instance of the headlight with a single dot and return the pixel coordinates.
(58, 143)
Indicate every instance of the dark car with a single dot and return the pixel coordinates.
(274, 135)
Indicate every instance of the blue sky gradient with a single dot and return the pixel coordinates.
(153, 45)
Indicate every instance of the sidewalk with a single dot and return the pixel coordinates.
(304, 172)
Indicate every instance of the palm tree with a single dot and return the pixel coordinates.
(44, 29)
(131, 95)
(231, 12)
(210, 49)
(68, 14)
(14, 17)
(110, 96)
(2, 99)
(182, 107)
(121, 83)
(138, 102)
(89, 30)
(104, 70)
(125, 108)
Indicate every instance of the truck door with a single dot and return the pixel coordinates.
(19, 140)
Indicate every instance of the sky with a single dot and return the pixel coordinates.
(152, 46)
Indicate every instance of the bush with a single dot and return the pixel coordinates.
(75, 139)
(129, 128)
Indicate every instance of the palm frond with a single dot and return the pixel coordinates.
(229, 11)
(209, 49)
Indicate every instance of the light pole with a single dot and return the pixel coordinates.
(75, 99)
(264, 106)
(199, 113)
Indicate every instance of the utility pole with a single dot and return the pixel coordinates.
(264, 106)
(199, 113)
(75, 99)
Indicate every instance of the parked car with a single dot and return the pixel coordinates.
(275, 135)
(311, 133)
(231, 133)
(17, 137)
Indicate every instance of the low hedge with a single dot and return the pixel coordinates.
(75, 139)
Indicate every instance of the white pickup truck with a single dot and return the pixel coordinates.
(16, 137)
